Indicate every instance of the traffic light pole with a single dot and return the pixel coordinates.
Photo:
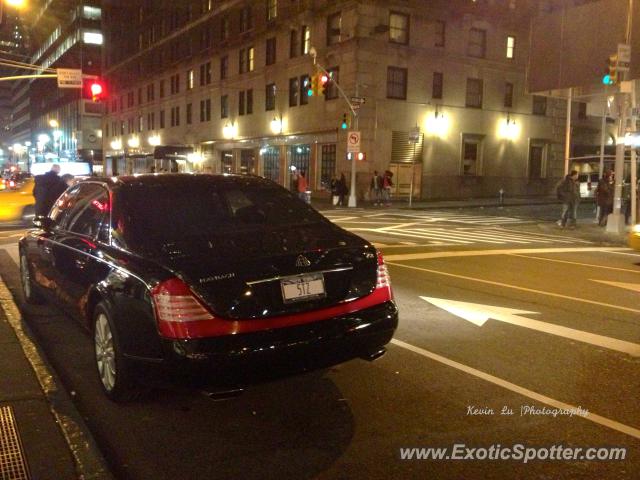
(354, 115)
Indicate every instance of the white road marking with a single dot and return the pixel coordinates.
(515, 287)
(627, 253)
(592, 417)
(479, 314)
(629, 286)
(577, 263)
(480, 253)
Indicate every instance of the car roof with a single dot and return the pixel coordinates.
(179, 179)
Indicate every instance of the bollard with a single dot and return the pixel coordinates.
(501, 197)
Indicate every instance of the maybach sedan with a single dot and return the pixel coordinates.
(182, 277)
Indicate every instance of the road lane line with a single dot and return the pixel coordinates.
(507, 285)
(635, 287)
(480, 253)
(575, 263)
(595, 418)
(627, 253)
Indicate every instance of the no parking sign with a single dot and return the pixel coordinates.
(353, 142)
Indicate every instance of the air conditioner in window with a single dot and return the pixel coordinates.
(381, 28)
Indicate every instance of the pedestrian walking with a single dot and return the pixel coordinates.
(342, 190)
(48, 187)
(376, 188)
(303, 188)
(604, 197)
(387, 183)
(569, 192)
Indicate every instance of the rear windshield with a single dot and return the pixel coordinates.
(150, 216)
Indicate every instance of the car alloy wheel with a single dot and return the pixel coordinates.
(105, 352)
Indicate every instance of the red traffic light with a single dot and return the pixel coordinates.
(96, 89)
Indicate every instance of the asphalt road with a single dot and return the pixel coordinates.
(549, 323)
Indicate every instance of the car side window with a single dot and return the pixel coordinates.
(60, 211)
(89, 210)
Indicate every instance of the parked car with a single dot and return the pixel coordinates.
(17, 202)
(588, 183)
(181, 276)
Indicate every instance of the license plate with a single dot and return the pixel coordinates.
(302, 287)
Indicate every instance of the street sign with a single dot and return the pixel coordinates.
(624, 57)
(414, 135)
(358, 100)
(69, 77)
(353, 142)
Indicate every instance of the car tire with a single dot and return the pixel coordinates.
(113, 371)
(28, 214)
(31, 293)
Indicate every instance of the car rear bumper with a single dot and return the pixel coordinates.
(249, 357)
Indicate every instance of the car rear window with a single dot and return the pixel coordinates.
(153, 215)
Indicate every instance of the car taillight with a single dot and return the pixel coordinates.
(176, 306)
(12, 184)
(384, 280)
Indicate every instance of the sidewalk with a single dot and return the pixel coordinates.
(42, 436)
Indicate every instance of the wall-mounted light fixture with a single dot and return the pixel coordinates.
(276, 125)
(437, 124)
(229, 130)
(508, 129)
(133, 142)
(154, 140)
(116, 144)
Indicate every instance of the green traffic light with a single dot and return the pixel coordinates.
(607, 80)
(344, 125)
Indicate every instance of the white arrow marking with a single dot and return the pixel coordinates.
(479, 314)
(629, 286)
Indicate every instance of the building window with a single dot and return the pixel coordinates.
(474, 93)
(327, 165)
(437, 86)
(246, 60)
(246, 19)
(399, 28)
(114, 106)
(224, 106)
(271, 51)
(224, 67)
(189, 79)
(293, 91)
(272, 9)
(205, 110)
(130, 99)
(582, 110)
(161, 119)
(151, 121)
(175, 116)
(537, 161)
(397, 83)
(471, 155)
(140, 96)
(334, 28)
(477, 46)
(205, 74)
(508, 94)
(140, 123)
(242, 60)
(440, 33)
(162, 88)
(224, 28)
(306, 40)
(270, 97)
(189, 113)
(511, 47)
(251, 58)
(332, 89)
(250, 101)
(175, 84)
(539, 105)
(151, 92)
(304, 88)
(294, 46)
(241, 97)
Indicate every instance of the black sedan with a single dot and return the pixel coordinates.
(187, 276)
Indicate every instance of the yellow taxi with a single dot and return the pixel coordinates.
(17, 204)
(634, 237)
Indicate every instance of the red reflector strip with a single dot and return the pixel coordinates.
(216, 327)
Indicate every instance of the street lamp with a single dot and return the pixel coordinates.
(15, 3)
(53, 123)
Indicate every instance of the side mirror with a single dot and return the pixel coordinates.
(44, 223)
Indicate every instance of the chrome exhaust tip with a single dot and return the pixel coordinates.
(370, 357)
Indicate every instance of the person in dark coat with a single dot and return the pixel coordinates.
(604, 198)
(47, 189)
(343, 190)
(569, 192)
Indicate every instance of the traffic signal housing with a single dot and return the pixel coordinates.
(611, 72)
(345, 122)
(324, 83)
(313, 89)
(94, 89)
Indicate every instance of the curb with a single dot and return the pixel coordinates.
(89, 462)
